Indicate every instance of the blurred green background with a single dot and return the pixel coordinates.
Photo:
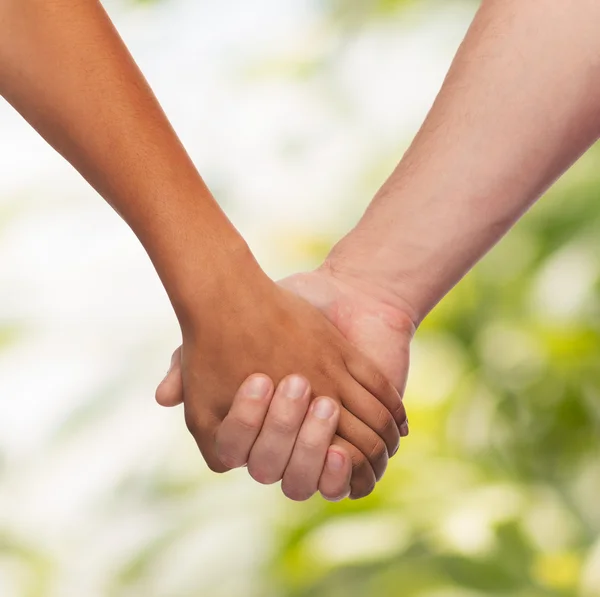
(496, 491)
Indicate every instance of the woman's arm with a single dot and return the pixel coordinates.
(520, 104)
(66, 70)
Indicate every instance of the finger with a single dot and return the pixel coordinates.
(201, 425)
(334, 484)
(237, 433)
(372, 380)
(301, 477)
(170, 390)
(404, 429)
(363, 481)
(372, 413)
(272, 450)
(365, 440)
(204, 432)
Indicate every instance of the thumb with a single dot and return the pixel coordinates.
(170, 389)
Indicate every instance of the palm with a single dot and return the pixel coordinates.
(382, 332)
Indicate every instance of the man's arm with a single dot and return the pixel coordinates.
(520, 104)
(65, 69)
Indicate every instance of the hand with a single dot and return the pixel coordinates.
(370, 319)
(269, 325)
(290, 434)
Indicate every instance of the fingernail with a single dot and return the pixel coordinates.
(257, 388)
(335, 461)
(404, 429)
(396, 448)
(323, 409)
(295, 387)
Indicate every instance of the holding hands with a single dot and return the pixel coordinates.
(292, 380)
(286, 433)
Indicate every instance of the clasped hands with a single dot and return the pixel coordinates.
(300, 381)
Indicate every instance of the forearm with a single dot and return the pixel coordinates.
(65, 69)
(520, 104)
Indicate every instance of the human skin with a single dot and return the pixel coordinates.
(267, 443)
(261, 420)
(519, 106)
(66, 70)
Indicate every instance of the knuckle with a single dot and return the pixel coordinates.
(282, 426)
(380, 383)
(261, 474)
(360, 465)
(308, 443)
(231, 460)
(377, 450)
(363, 481)
(362, 491)
(297, 493)
(334, 491)
(385, 422)
(244, 422)
(216, 466)
(229, 447)
(331, 364)
(399, 413)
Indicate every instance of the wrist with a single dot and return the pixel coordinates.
(349, 265)
(378, 271)
(218, 279)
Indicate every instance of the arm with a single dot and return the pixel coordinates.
(520, 104)
(65, 69)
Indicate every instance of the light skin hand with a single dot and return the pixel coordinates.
(285, 436)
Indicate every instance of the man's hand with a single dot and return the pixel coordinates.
(264, 427)
(375, 323)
